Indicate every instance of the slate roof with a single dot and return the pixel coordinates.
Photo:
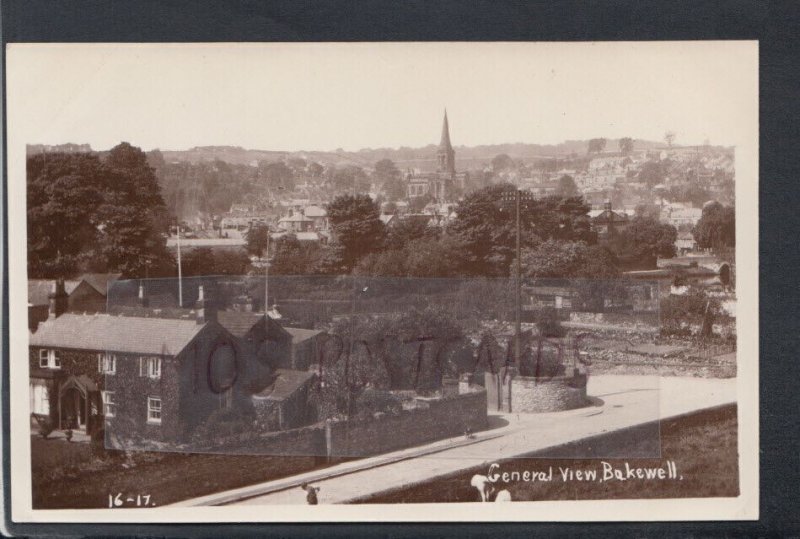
(302, 334)
(315, 211)
(285, 384)
(100, 281)
(296, 218)
(103, 332)
(238, 322)
(39, 290)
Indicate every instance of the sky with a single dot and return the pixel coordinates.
(326, 96)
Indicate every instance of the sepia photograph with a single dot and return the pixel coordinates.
(391, 280)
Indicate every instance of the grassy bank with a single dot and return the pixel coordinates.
(702, 445)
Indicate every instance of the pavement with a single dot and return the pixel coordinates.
(618, 403)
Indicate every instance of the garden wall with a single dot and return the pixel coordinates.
(434, 419)
(443, 418)
(535, 395)
(529, 394)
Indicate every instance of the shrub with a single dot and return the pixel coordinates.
(546, 362)
(46, 426)
(549, 323)
(225, 422)
(680, 313)
(372, 401)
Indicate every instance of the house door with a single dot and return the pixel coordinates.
(73, 409)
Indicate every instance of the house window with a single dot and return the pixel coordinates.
(154, 410)
(109, 406)
(49, 359)
(150, 367)
(40, 399)
(106, 363)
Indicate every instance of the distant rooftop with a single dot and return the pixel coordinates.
(39, 290)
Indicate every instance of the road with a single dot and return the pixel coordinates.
(619, 402)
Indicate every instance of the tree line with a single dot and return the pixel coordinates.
(556, 237)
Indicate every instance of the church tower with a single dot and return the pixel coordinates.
(445, 154)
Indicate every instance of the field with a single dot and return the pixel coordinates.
(702, 445)
(87, 482)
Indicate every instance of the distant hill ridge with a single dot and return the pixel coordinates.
(404, 157)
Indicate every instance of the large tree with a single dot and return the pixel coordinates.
(294, 257)
(716, 228)
(567, 187)
(356, 226)
(502, 162)
(596, 145)
(486, 226)
(406, 230)
(646, 240)
(63, 194)
(426, 256)
(653, 172)
(134, 219)
(389, 177)
(88, 214)
(257, 239)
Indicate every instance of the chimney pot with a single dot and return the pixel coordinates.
(206, 310)
(58, 300)
(143, 302)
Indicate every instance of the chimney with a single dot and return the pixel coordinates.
(205, 308)
(464, 383)
(58, 300)
(142, 300)
(608, 205)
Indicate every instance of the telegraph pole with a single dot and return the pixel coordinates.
(266, 279)
(520, 197)
(180, 279)
(518, 321)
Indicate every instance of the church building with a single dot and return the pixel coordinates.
(440, 184)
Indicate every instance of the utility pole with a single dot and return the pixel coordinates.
(180, 279)
(518, 321)
(266, 281)
(520, 199)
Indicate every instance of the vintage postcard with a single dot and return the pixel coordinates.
(383, 281)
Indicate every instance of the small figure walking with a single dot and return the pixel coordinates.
(311, 493)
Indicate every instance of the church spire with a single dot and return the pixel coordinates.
(444, 144)
(446, 155)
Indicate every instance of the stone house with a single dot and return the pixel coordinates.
(151, 377)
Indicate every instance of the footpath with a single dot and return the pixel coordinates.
(618, 403)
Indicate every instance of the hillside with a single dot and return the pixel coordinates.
(467, 157)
